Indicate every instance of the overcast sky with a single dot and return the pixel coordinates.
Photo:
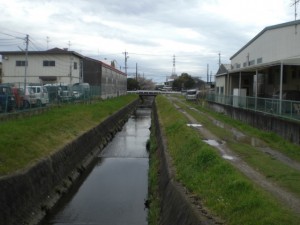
(151, 31)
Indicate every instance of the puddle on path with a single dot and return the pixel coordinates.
(194, 125)
(228, 157)
(212, 142)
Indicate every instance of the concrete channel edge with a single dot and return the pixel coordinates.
(177, 205)
(27, 196)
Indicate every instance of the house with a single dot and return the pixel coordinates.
(221, 78)
(44, 67)
(60, 66)
(268, 64)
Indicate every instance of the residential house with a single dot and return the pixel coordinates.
(60, 66)
(221, 78)
(44, 67)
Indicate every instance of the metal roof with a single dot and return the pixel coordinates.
(296, 22)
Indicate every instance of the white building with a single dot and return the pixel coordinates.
(268, 63)
(58, 66)
(52, 66)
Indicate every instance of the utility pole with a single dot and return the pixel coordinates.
(219, 59)
(295, 4)
(126, 57)
(136, 71)
(48, 42)
(207, 73)
(26, 61)
(174, 66)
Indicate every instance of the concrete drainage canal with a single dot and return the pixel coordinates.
(114, 191)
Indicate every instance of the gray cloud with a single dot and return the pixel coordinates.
(150, 30)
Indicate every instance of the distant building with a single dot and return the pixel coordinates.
(60, 66)
(44, 67)
(268, 63)
(221, 81)
(111, 81)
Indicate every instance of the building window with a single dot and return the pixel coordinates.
(238, 65)
(252, 62)
(75, 65)
(259, 60)
(20, 63)
(48, 63)
(244, 64)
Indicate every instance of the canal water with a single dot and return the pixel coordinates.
(115, 190)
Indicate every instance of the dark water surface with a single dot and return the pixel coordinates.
(115, 190)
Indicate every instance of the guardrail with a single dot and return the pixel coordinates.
(283, 108)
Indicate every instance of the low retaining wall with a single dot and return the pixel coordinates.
(177, 206)
(26, 197)
(287, 129)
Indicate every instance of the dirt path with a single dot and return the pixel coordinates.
(287, 198)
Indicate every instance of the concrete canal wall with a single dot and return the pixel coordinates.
(25, 197)
(288, 129)
(177, 206)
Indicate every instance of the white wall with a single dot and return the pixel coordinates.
(272, 45)
(15, 74)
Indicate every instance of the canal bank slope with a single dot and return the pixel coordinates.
(177, 206)
(192, 174)
(26, 197)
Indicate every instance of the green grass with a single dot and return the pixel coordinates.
(153, 176)
(25, 141)
(222, 189)
(282, 174)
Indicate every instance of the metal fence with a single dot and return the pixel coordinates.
(283, 108)
(16, 101)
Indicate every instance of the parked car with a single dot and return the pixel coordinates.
(29, 98)
(7, 99)
(65, 93)
(19, 97)
(81, 90)
(191, 94)
(41, 94)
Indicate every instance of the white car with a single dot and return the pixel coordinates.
(41, 94)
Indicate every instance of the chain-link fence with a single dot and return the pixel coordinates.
(13, 98)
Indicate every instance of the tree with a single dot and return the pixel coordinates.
(184, 81)
(132, 84)
(146, 84)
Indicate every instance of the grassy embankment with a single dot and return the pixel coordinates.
(280, 173)
(223, 189)
(153, 192)
(24, 141)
